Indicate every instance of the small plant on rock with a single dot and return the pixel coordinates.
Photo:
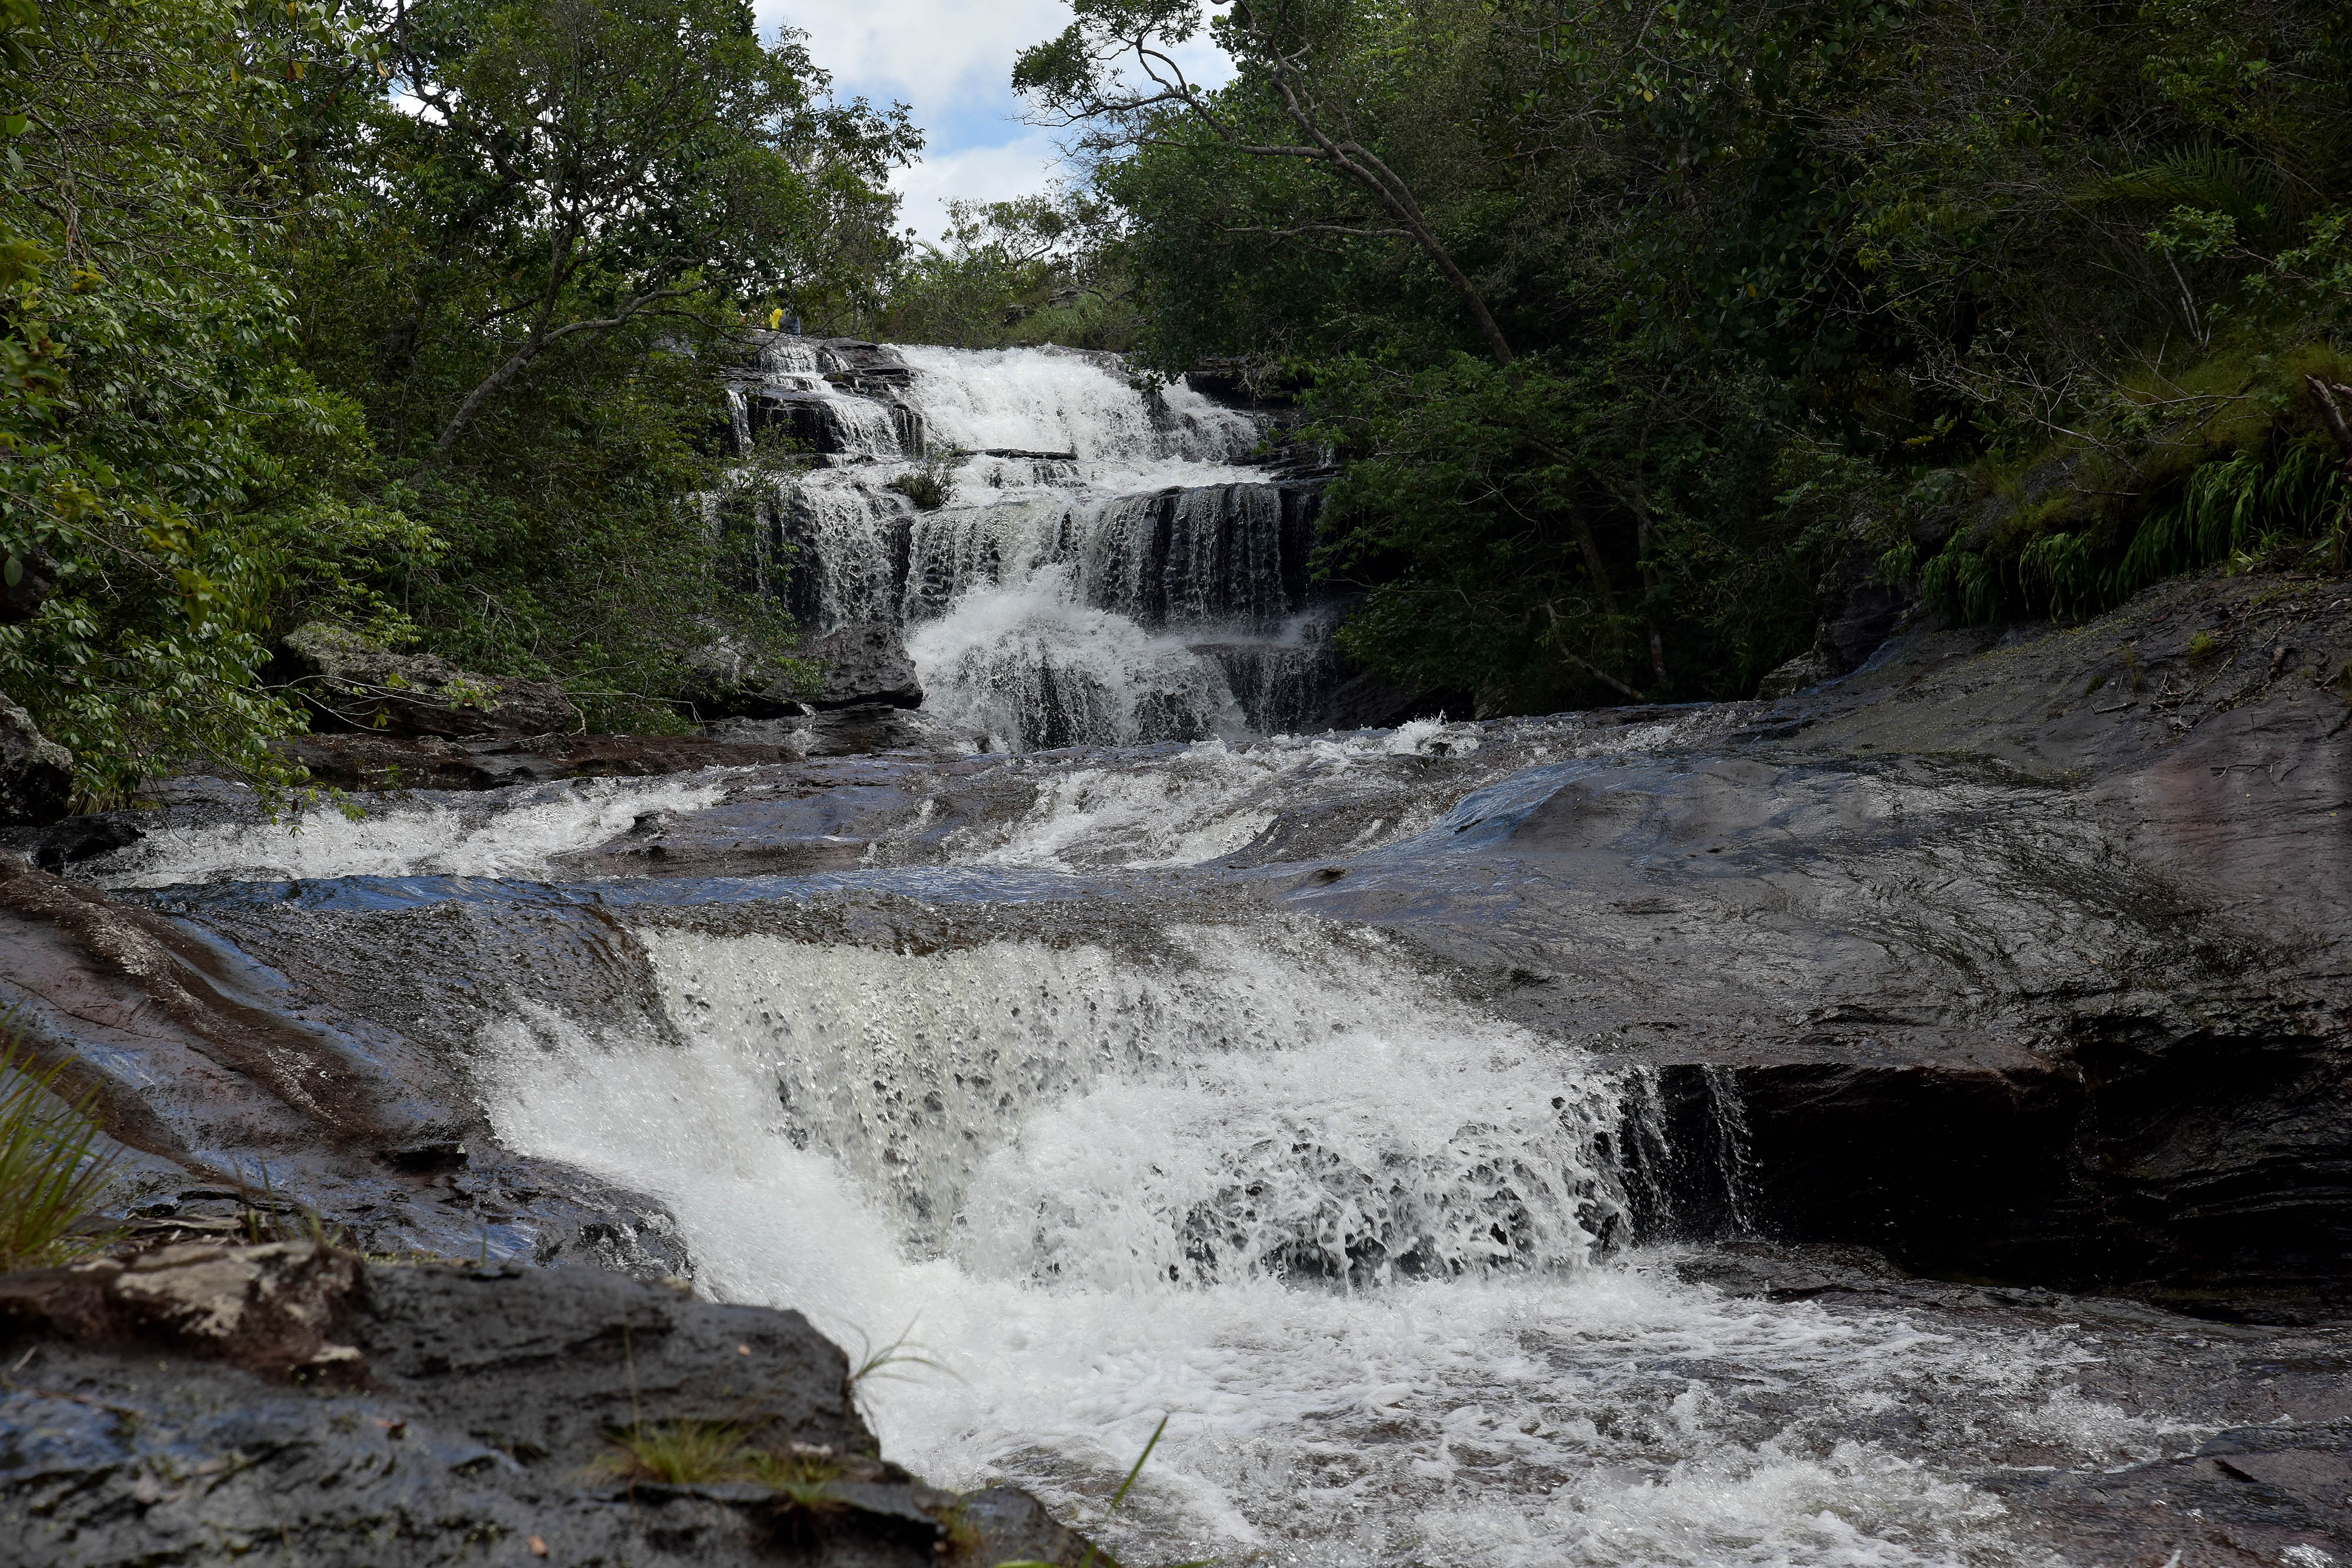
(677, 1453)
(51, 1171)
(799, 1479)
(926, 485)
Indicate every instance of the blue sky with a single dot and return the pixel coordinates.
(952, 62)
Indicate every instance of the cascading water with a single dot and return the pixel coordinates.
(1352, 1239)
(1104, 569)
(1036, 1076)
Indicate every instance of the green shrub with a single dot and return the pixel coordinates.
(926, 485)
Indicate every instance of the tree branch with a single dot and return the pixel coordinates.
(532, 348)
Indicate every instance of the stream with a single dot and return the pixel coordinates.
(1084, 1067)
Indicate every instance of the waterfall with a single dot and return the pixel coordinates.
(1107, 567)
(1359, 1242)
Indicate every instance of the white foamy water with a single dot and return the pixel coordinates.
(1212, 799)
(1342, 1234)
(510, 833)
(1095, 530)
(1057, 400)
(1031, 666)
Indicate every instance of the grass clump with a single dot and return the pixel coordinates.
(51, 1172)
(678, 1453)
(928, 485)
(704, 1453)
(798, 1478)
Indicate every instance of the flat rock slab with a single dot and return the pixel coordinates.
(178, 1409)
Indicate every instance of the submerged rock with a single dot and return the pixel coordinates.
(199, 1403)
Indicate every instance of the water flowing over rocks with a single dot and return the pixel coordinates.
(1109, 563)
(1656, 1135)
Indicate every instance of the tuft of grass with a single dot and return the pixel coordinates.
(678, 1453)
(799, 1479)
(905, 1351)
(704, 1453)
(51, 1172)
(2201, 647)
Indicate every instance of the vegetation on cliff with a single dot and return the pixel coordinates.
(1642, 331)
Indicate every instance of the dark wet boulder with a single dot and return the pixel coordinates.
(199, 1403)
(863, 665)
(36, 773)
(71, 840)
(352, 684)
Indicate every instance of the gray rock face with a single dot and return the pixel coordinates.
(200, 1404)
(207, 1069)
(865, 664)
(362, 686)
(36, 773)
(2025, 954)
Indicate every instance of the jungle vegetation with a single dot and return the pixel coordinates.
(1645, 328)
(1640, 328)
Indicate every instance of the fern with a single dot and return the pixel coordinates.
(2227, 508)
(2211, 178)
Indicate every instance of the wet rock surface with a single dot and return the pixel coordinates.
(865, 664)
(204, 1403)
(2257, 1438)
(2028, 954)
(223, 1089)
(2019, 958)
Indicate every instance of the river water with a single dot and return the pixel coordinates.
(1095, 1135)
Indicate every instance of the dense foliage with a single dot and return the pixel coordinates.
(1642, 331)
(1639, 327)
(407, 317)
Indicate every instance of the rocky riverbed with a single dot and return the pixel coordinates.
(1902, 1122)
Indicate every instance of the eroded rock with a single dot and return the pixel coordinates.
(863, 665)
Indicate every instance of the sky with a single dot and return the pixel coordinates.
(950, 60)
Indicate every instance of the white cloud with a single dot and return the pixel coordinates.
(974, 175)
(950, 60)
(925, 51)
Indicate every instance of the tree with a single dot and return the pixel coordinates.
(170, 472)
(1301, 70)
(567, 168)
(557, 220)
